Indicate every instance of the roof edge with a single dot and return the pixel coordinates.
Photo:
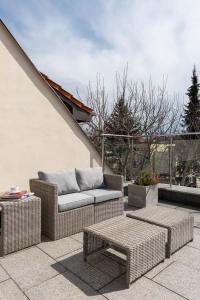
(65, 93)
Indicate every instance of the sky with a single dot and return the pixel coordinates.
(74, 40)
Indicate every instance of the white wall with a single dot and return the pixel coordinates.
(36, 130)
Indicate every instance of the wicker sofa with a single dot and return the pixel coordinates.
(95, 198)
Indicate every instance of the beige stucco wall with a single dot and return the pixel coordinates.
(36, 131)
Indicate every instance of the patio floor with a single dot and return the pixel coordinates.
(55, 270)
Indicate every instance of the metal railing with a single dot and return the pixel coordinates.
(175, 157)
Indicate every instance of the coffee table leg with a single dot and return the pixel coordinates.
(85, 246)
(128, 257)
(168, 247)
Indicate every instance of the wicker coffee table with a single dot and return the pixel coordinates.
(178, 223)
(143, 244)
(20, 224)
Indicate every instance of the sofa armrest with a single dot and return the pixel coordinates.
(114, 182)
(48, 192)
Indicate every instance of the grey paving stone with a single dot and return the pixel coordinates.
(10, 291)
(44, 238)
(30, 267)
(60, 247)
(196, 241)
(157, 269)
(197, 225)
(115, 255)
(188, 256)
(129, 208)
(196, 219)
(189, 208)
(168, 204)
(75, 263)
(111, 267)
(63, 287)
(182, 279)
(142, 289)
(86, 270)
(78, 237)
(3, 275)
(193, 211)
(94, 277)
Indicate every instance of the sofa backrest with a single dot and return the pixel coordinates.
(64, 179)
(90, 178)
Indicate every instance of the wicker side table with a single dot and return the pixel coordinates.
(143, 244)
(20, 224)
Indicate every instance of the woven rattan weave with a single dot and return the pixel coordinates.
(178, 223)
(143, 244)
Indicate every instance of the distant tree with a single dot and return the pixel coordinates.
(136, 109)
(191, 117)
(97, 99)
(122, 121)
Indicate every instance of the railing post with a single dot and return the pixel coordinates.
(170, 161)
(102, 151)
(132, 158)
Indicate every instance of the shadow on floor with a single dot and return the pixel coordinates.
(83, 274)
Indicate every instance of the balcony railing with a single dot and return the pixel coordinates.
(175, 157)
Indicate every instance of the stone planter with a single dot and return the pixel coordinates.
(142, 196)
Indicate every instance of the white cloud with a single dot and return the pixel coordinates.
(156, 38)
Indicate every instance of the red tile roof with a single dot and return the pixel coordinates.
(66, 94)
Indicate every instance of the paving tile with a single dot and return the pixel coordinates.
(111, 267)
(78, 237)
(181, 279)
(3, 275)
(196, 219)
(63, 287)
(193, 211)
(60, 247)
(160, 267)
(196, 242)
(189, 208)
(188, 256)
(168, 204)
(10, 291)
(142, 289)
(129, 208)
(115, 255)
(75, 262)
(30, 267)
(86, 270)
(44, 238)
(94, 277)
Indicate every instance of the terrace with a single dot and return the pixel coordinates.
(56, 270)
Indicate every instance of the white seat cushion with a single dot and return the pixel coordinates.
(101, 195)
(75, 200)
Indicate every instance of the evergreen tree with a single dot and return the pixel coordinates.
(122, 122)
(191, 117)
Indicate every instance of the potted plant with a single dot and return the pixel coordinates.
(144, 191)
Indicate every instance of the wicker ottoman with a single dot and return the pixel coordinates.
(20, 224)
(179, 224)
(143, 244)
